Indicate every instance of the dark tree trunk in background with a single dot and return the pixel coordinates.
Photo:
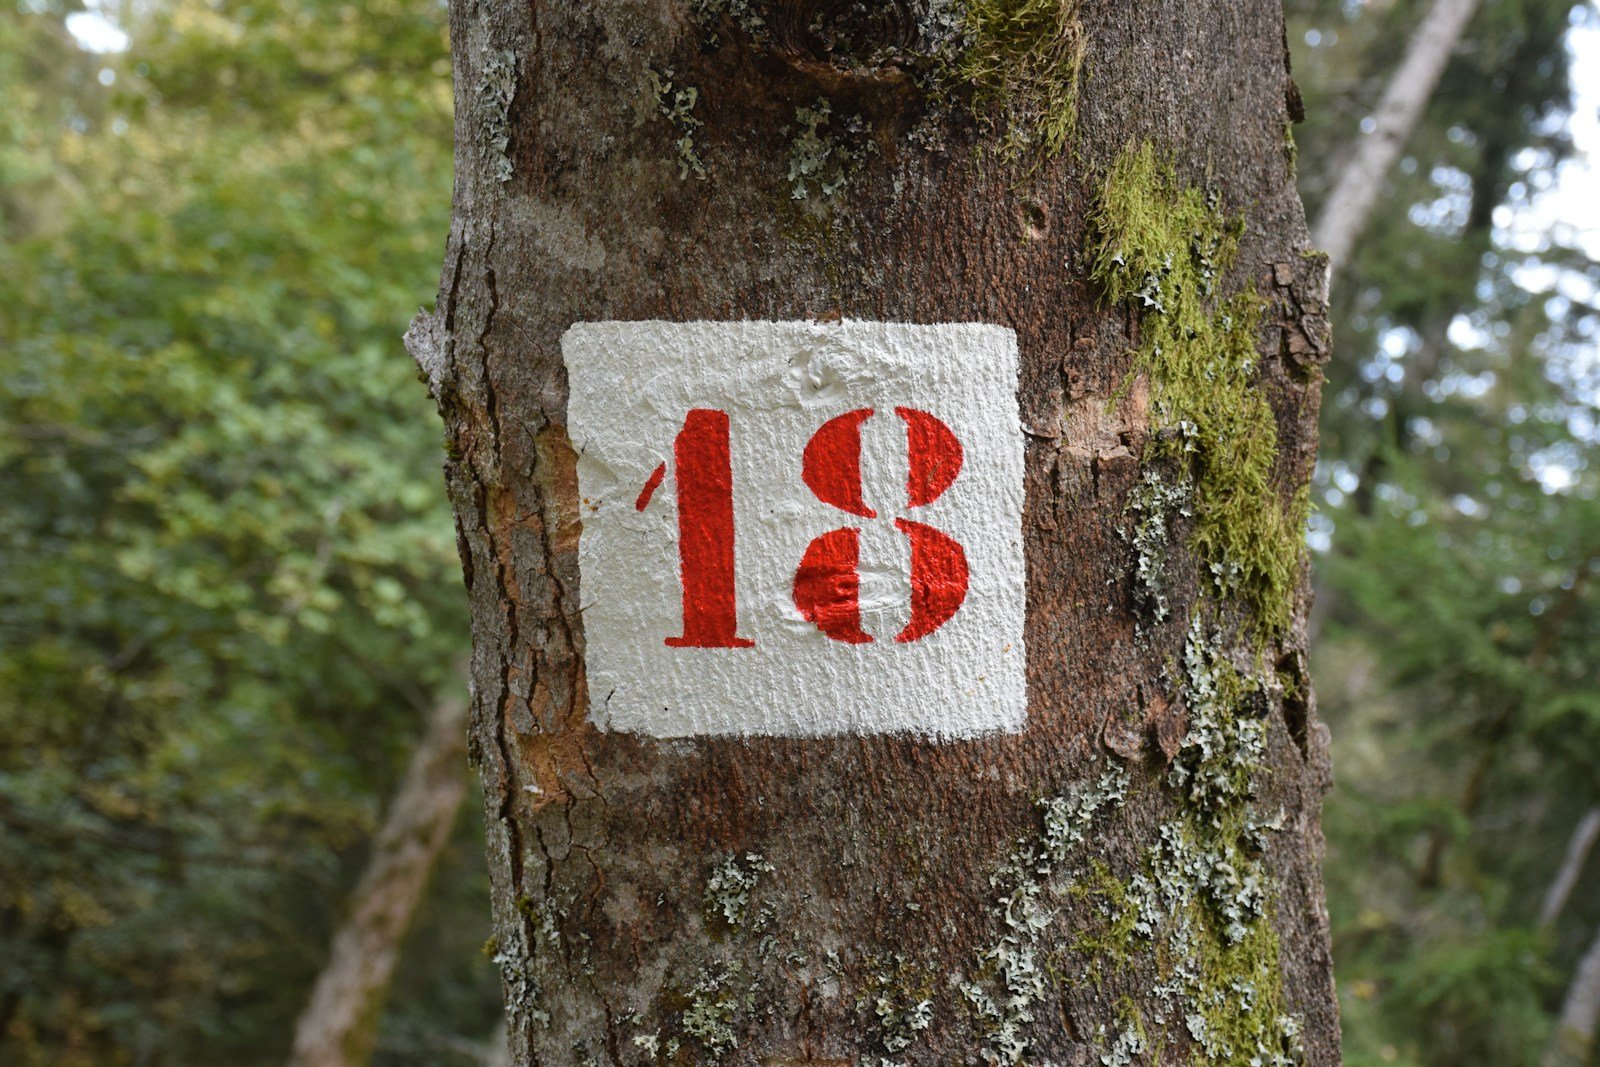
(1135, 874)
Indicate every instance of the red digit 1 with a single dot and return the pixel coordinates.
(703, 474)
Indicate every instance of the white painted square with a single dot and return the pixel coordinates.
(633, 385)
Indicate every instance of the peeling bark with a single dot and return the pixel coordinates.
(897, 900)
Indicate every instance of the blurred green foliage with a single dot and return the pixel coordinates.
(227, 566)
(229, 590)
(1460, 598)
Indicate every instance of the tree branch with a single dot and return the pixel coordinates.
(1573, 1039)
(1345, 213)
(338, 1026)
(1578, 847)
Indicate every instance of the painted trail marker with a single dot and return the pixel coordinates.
(799, 528)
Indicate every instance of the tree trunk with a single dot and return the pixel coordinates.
(1102, 849)
(338, 1027)
(1578, 846)
(1573, 1041)
(1349, 205)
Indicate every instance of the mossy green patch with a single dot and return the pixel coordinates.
(1197, 910)
(1167, 247)
(1022, 62)
(1112, 942)
(1240, 1016)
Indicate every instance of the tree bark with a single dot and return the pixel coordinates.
(1133, 877)
(338, 1027)
(1349, 205)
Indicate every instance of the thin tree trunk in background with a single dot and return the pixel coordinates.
(338, 1027)
(1573, 1041)
(1128, 873)
(1578, 846)
(1349, 205)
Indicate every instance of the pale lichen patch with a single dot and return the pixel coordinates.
(825, 155)
(1010, 983)
(676, 103)
(497, 87)
(728, 888)
(523, 991)
(1155, 503)
(716, 1001)
(897, 1001)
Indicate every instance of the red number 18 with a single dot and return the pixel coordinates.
(827, 584)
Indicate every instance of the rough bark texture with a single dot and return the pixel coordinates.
(338, 1027)
(1349, 205)
(885, 899)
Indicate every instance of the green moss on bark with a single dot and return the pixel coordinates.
(1021, 60)
(1194, 915)
(1111, 943)
(1166, 248)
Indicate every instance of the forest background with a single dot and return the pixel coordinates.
(230, 602)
